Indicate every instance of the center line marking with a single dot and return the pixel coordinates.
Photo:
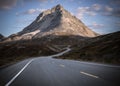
(18, 73)
(53, 62)
(62, 65)
(89, 74)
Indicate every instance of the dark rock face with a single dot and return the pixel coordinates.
(1, 37)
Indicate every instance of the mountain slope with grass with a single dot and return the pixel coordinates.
(105, 49)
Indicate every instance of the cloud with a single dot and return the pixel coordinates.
(96, 7)
(95, 25)
(37, 0)
(31, 11)
(91, 11)
(81, 11)
(7, 4)
(115, 13)
(115, 2)
(108, 9)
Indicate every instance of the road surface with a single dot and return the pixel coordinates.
(47, 71)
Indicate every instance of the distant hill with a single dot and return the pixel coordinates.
(1, 37)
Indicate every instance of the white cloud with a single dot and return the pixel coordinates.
(96, 7)
(90, 11)
(108, 9)
(96, 25)
(81, 11)
(31, 11)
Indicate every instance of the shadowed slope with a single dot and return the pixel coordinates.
(105, 48)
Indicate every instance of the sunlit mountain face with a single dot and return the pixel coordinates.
(100, 16)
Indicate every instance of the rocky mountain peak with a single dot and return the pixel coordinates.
(55, 21)
(58, 7)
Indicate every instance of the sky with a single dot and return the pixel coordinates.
(102, 16)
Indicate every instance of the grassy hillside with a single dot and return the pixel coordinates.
(18, 50)
(105, 49)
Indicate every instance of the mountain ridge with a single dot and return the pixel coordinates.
(55, 21)
(104, 49)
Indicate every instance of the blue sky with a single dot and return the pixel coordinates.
(102, 16)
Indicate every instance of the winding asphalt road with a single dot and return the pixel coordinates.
(47, 71)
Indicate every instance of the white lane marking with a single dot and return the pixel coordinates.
(89, 74)
(61, 65)
(18, 73)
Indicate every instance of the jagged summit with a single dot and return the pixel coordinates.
(55, 21)
(58, 7)
(44, 19)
